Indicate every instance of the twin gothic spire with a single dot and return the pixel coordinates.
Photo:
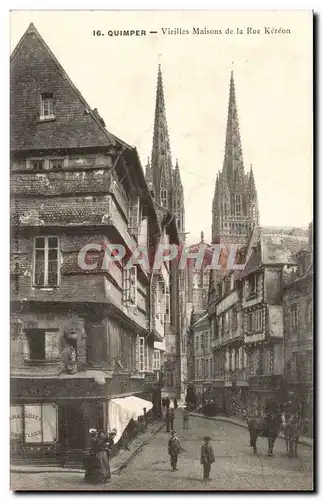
(235, 203)
(163, 178)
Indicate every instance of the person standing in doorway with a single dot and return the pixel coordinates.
(174, 448)
(207, 458)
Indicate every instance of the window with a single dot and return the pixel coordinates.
(134, 214)
(130, 285)
(142, 355)
(33, 423)
(206, 375)
(249, 323)
(202, 342)
(37, 165)
(258, 320)
(47, 106)
(56, 163)
(226, 323)
(234, 319)
(167, 308)
(252, 287)
(238, 204)
(293, 317)
(156, 359)
(46, 263)
(40, 345)
(221, 325)
(163, 198)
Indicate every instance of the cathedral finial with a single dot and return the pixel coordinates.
(177, 166)
(202, 236)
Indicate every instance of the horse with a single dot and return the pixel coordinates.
(267, 428)
(261, 427)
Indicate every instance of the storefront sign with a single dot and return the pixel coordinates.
(76, 388)
(265, 383)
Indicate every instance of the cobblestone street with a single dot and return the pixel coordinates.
(235, 466)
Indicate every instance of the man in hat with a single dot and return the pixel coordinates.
(207, 457)
(174, 448)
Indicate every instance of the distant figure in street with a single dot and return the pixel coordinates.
(170, 415)
(207, 457)
(174, 448)
(167, 403)
(175, 404)
(185, 418)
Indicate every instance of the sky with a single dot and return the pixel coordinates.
(273, 81)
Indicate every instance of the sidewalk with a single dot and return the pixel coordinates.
(235, 421)
(117, 463)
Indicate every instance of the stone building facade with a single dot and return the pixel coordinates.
(298, 335)
(271, 254)
(82, 328)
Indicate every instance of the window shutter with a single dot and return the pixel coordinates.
(133, 285)
(137, 353)
(52, 345)
(25, 347)
(167, 308)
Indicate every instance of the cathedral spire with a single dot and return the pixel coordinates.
(252, 185)
(235, 205)
(161, 161)
(233, 161)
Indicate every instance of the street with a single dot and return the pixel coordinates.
(235, 467)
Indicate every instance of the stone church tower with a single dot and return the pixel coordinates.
(164, 179)
(235, 204)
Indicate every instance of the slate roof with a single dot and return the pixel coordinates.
(278, 245)
(35, 70)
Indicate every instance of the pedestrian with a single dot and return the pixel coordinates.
(174, 448)
(171, 418)
(167, 418)
(185, 418)
(207, 457)
(175, 404)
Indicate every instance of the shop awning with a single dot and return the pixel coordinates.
(122, 410)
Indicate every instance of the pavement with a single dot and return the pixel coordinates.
(117, 463)
(305, 441)
(148, 469)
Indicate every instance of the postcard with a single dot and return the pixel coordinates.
(161, 329)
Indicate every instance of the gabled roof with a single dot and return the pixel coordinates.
(35, 70)
(276, 245)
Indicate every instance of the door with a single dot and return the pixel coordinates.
(74, 426)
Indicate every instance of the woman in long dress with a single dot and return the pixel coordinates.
(97, 468)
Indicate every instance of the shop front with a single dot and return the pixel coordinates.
(50, 418)
(261, 387)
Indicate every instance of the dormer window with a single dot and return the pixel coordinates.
(47, 106)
